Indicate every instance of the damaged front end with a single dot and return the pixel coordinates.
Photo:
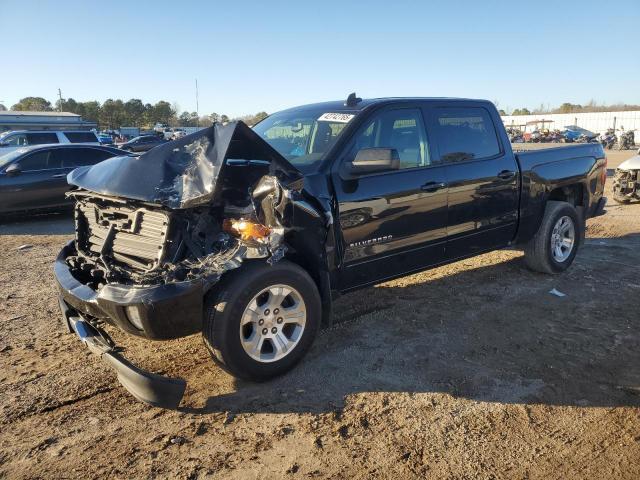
(155, 233)
(625, 185)
(625, 180)
(133, 243)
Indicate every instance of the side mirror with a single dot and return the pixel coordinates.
(4, 144)
(372, 160)
(13, 170)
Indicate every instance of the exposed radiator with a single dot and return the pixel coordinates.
(135, 237)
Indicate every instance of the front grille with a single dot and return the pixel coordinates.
(129, 236)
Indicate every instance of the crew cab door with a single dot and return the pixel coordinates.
(391, 222)
(483, 179)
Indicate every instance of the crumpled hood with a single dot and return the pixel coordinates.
(631, 164)
(182, 173)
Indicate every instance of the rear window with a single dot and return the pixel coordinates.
(81, 137)
(465, 134)
(40, 138)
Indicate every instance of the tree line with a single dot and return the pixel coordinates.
(113, 114)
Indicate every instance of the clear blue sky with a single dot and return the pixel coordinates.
(266, 55)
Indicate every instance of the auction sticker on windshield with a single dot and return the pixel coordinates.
(336, 117)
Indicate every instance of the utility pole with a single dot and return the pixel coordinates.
(60, 104)
(197, 106)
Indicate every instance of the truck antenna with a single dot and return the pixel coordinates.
(352, 100)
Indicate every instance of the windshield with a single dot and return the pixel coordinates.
(303, 136)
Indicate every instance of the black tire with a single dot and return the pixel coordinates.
(538, 253)
(224, 308)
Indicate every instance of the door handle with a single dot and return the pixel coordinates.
(506, 174)
(432, 186)
(59, 175)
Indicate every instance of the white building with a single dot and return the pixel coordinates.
(597, 122)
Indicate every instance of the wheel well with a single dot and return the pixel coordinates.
(321, 279)
(573, 194)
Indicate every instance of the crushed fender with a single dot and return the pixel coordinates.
(191, 209)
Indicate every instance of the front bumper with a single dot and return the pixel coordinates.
(161, 312)
(147, 387)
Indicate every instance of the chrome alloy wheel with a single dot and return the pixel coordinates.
(272, 323)
(563, 238)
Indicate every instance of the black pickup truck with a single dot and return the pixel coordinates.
(248, 234)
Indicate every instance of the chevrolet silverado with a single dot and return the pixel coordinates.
(248, 234)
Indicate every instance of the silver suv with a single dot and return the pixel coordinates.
(24, 138)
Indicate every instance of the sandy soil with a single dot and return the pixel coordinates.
(473, 370)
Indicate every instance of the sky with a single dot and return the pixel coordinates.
(251, 56)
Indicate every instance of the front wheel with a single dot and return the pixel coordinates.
(263, 319)
(554, 246)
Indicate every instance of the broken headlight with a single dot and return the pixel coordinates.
(245, 229)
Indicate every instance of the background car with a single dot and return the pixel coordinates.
(178, 133)
(35, 178)
(142, 143)
(105, 138)
(24, 138)
(573, 132)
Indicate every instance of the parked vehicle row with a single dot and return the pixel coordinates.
(624, 140)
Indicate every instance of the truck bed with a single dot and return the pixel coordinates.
(545, 172)
(538, 157)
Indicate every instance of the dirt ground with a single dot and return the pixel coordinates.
(472, 370)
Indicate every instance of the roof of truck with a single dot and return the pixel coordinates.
(340, 105)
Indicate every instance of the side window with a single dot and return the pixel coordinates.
(81, 137)
(35, 161)
(402, 130)
(78, 157)
(465, 134)
(18, 140)
(40, 138)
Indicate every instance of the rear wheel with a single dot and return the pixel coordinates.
(554, 246)
(263, 320)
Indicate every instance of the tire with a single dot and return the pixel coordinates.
(539, 255)
(225, 309)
